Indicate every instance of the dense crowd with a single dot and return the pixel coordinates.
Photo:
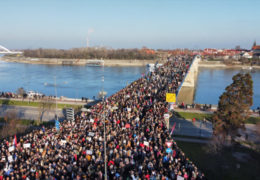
(138, 143)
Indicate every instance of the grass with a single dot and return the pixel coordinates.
(189, 115)
(201, 116)
(223, 165)
(35, 104)
(253, 120)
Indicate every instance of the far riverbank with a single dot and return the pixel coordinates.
(220, 64)
(115, 62)
(78, 62)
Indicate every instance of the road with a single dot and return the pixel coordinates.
(186, 127)
(30, 113)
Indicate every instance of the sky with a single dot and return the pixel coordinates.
(157, 24)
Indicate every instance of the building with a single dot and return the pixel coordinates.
(256, 50)
(247, 55)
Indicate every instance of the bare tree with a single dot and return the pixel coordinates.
(44, 106)
(11, 125)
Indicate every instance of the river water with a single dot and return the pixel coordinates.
(86, 81)
(71, 81)
(212, 83)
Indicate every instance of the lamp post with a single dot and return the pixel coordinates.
(55, 98)
(102, 94)
(104, 121)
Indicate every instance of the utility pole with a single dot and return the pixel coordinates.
(55, 97)
(104, 120)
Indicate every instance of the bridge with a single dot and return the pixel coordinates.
(186, 91)
(4, 50)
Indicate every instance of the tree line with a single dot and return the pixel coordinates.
(91, 53)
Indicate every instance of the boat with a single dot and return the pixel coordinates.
(95, 62)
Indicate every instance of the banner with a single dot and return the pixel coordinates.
(91, 134)
(63, 142)
(171, 97)
(167, 119)
(11, 148)
(28, 145)
(180, 178)
(146, 143)
(57, 125)
(89, 152)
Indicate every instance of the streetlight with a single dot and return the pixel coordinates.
(105, 147)
(104, 131)
(55, 86)
(102, 94)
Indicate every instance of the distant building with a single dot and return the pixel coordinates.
(247, 55)
(256, 51)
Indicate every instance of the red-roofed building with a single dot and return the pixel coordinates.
(256, 50)
(148, 51)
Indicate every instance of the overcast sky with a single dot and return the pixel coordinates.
(156, 24)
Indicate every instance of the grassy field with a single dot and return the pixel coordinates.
(201, 116)
(253, 120)
(189, 115)
(224, 165)
(35, 104)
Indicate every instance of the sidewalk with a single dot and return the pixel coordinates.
(59, 101)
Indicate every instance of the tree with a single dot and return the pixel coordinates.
(44, 105)
(233, 108)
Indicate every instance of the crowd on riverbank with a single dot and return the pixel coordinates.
(33, 96)
(138, 143)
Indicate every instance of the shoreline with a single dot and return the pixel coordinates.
(115, 62)
(79, 62)
(221, 65)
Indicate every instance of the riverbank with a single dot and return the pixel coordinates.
(78, 62)
(220, 64)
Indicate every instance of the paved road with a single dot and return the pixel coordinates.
(30, 113)
(188, 128)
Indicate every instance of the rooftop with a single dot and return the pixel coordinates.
(257, 47)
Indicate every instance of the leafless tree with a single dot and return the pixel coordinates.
(44, 106)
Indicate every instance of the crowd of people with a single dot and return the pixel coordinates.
(8, 95)
(138, 143)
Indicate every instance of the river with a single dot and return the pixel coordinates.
(71, 81)
(86, 81)
(212, 83)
